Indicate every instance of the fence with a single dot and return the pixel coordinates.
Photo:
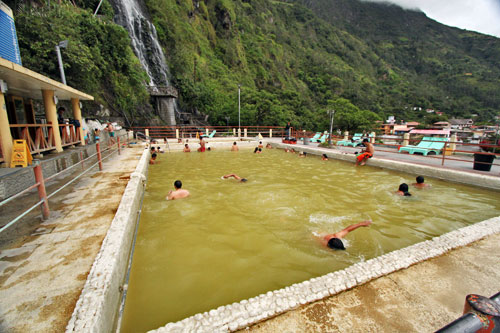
(180, 132)
(40, 181)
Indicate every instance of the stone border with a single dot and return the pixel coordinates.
(455, 176)
(96, 308)
(248, 312)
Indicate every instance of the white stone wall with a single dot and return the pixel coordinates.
(247, 312)
(97, 306)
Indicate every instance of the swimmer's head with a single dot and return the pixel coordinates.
(208, 148)
(186, 145)
(243, 180)
(152, 148)
(365, 140)
(178, 184)
(420, 179)
(234, 143)
(336, 244)
(403, 187)
(153, 156)
(260, 142)
(158, 148)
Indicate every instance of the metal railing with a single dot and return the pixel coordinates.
(181, 132)
(40, 181)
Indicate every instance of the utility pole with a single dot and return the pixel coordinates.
(239, 106)
(332, 114)
(62, 44)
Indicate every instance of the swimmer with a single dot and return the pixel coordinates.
(186, 148)
(268, 146)
(333, 241)
(324, 157)
(286, 150)
(403, 190)
(202, 145)
(420, 183)
(153, 159)
(153, 150)
(235, 176)
(178, 193)
(260, 144)
(234, 147)
(159, 150)
(302, 154)
(366, 153)
(256, 150)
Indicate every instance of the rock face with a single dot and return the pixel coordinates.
(133, 16)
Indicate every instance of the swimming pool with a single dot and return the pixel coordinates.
(230, 241)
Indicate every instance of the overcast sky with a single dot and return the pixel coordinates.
(478, 15)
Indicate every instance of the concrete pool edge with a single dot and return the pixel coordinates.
(97, 305)
(265, 306)
(456, 176)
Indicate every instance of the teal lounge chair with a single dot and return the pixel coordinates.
(425, 146)
(356, 139)
(322, 139)
(315, 137)
(211, 134)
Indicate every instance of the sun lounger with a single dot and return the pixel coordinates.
(315, 137)
(425, 146)
(356, 139)
(321, 139)
(211, 134)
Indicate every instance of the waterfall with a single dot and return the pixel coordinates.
(133, 16)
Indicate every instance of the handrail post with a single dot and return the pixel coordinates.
(81, 160)
(98, 148)
(118, 142)
(42, 194)
(444, 152)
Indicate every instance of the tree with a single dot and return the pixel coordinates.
(349, 117)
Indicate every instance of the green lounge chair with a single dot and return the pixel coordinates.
(321, 139)
(356, 139)
(425, 146)
(315, 137)
(211, 134)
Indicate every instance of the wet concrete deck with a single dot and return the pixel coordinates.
(43, 272)
(421, 298)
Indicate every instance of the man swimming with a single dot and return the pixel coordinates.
(186, 148)
(324, 157)
(234, 147)
(420, 183)
(153, 159)
(403, 190)
(268, 146)
(178, 193)
(235, 176)
(366, 152)
(333, 241)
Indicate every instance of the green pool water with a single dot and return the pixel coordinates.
(230, 241)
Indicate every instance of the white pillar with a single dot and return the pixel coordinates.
(206, 131)
(406, 139)
(245, 132)
(270, 132)
(346, 135)
(177, 133)
(453, 142)
(239, 132)
(234, 131)
(372, 137)
(146, 131)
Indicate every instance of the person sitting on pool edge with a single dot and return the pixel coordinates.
(333, 241)
(178, 193)
(366, 152)
(420, 183)
(153, 159)
(403, 190)
(186, 148)
(235, 176)
(234, 147)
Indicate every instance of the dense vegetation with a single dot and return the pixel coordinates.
(294, 60)
(98, 59)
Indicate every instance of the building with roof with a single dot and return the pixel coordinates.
(461, 123)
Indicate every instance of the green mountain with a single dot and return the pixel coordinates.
(294, 60)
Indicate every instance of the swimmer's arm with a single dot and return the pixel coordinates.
(350, 228)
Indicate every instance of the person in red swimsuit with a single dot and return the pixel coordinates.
(202, 145)
(366, 153)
